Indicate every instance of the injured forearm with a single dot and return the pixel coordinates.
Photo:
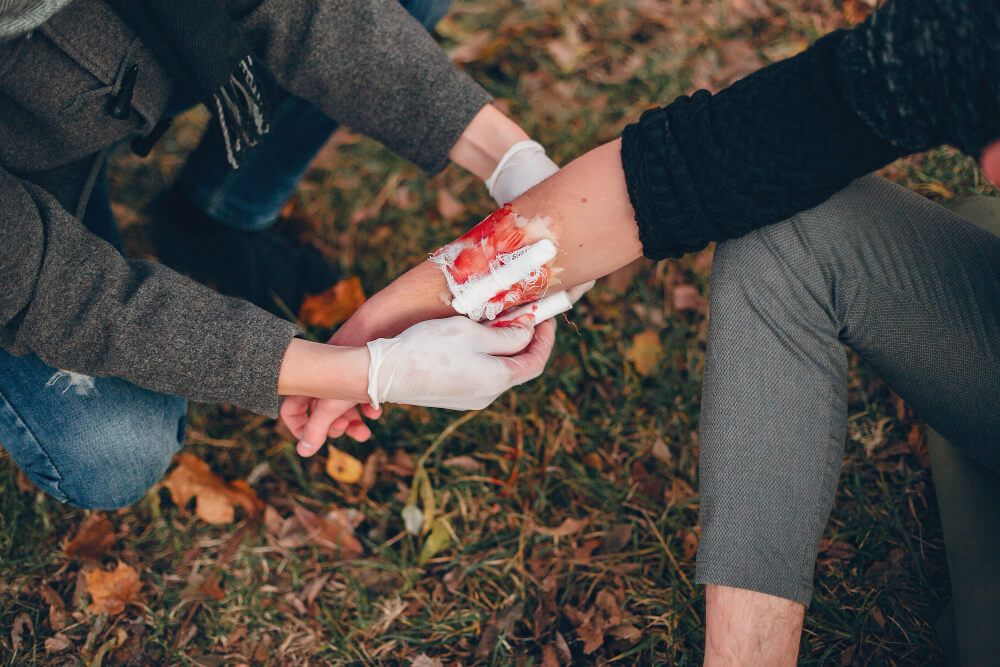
(576, 226)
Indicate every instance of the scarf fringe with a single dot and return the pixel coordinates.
(241, 111)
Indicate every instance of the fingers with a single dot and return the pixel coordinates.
(510, 338)
(294, 412)
(530, 363)
(314, 433)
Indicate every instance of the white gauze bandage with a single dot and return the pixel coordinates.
(476, 297)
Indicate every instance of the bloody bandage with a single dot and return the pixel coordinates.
(493, 267)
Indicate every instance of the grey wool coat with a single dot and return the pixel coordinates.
(70, 298)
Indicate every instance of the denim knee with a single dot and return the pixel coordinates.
(120, 464)
(90, 442)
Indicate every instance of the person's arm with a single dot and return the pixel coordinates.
(71, 299)
(374, 68)
(913, 76)
(592, 222)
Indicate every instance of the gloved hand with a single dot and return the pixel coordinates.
(521, 168)
(456, 363)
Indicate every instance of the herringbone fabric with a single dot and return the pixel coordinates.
(911, 287)
(20, 16)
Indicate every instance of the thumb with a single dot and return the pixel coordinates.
(509, 337)
(990, 161)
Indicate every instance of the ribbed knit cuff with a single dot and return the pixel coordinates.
(669, 226)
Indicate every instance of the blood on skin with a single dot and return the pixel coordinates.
(483, 249)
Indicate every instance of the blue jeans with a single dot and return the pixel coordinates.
(103, 446)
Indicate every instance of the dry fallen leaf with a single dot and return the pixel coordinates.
(646, 352)
(335, 531)
(21, 623)
(343, 467)
(57, 643)
(215, 499)
(567, 527)
(111, 590)
(328, 309)
(94, 539)
(687, 298)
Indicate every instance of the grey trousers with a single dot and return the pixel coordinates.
(911, 287)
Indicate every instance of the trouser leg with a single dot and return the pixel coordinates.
(913, 288)
(90, 442)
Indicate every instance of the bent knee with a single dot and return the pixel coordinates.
(117, 466)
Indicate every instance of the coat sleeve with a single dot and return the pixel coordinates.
(371, 66)
(71, 299)
(915, 75)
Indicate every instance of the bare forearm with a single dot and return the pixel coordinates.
(485, 140)
(324, 371)
(592, 219)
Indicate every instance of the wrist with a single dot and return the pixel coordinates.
(324, 371)
(485, 140)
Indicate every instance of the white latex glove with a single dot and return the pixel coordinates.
(521, 168)
(456, 363)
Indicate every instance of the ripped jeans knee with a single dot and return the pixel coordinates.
(89, 442)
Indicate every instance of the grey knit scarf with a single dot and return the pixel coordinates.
(21, 16)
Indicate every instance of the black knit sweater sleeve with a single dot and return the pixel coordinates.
(915, 75)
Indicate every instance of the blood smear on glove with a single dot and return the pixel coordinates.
(490, 269)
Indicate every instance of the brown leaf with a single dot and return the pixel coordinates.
(449, 207)
(343, 467)
(687, 298)
(646, 352)
(215, 499)
(21, 623)
(328, 309)
(856, 11)
(23, 483)
(203, 587)
(335, 531)
(93, 540)
(423, 660)
(373, 464)
(549, 656)
(57, 644)
(689, 545)
(111, 591)
(57, 607)
(472, 48)
(567, 527)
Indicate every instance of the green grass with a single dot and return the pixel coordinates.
(576, 444)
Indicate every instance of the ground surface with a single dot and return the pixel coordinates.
(565, 516)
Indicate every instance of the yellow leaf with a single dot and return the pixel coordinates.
(328, 309)
(646, 352)
(216, 500)
(438, 540)
(111, 591)
(343, 467)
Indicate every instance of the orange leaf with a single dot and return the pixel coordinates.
(646, 352)
(94, 539)
(328, 309)
(343, 467)
(111, 591)
(215, 499)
